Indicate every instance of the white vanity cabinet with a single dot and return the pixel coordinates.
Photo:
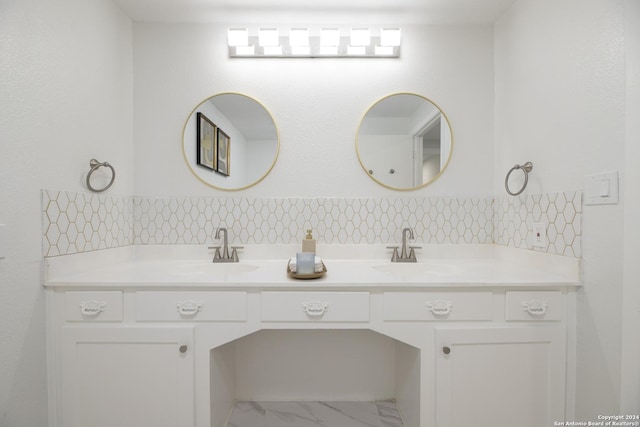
(126, 377)
(179, 354)
(110, 371)
(498, 356)
(500, 376)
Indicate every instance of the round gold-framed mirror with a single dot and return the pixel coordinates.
(404, 141)
(230, 141)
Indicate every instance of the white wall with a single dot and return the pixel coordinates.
(630, 382)
(560, 82)
(317, 105)
(65, 97)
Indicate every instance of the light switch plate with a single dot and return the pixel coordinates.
(601, 188)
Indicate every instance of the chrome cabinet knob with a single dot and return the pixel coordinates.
(183, 348)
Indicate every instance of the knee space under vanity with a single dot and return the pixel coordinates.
(316, 367)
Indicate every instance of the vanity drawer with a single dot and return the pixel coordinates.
(437, 306)
(315, 306)
(191, 306)
(102, 306)
(533, 305)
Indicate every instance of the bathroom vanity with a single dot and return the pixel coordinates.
(476, 335)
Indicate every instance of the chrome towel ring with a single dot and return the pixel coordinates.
(95, 165)
(526, 168)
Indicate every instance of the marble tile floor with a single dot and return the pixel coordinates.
(383, 413)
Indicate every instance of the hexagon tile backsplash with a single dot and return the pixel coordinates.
(81, 222)
(560, 212)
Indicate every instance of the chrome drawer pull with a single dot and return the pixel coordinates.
(535, 307)
(315, 308)
(188, 308)
(92, 308)
(439, 307)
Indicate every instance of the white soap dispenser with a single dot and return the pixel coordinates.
(309, 243)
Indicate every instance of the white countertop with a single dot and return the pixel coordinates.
(348, 267)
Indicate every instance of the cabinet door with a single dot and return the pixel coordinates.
(499, 377)
(127, 377)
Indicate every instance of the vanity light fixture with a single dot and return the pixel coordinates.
(323, 42)
(238, 39)
(329, 42)
(269, 37)
(390, 36)
(299, 41)
(269, 40)
(358, 42)
(389, 39)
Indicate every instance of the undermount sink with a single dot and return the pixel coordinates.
(412, 269)
(198, 268)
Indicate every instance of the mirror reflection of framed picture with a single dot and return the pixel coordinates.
(206, 140)
(222, 152)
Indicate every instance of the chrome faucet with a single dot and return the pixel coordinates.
(407, 253)
(405, 232)
(225, 256)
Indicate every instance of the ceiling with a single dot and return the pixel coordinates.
(317, 11)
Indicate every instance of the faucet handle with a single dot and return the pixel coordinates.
(234, 253)
(395, 255)
(412, 252)
(217, 253)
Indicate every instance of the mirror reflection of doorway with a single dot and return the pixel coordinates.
(404, 141)
(427, 159)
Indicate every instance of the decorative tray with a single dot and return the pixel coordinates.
(316, 275)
